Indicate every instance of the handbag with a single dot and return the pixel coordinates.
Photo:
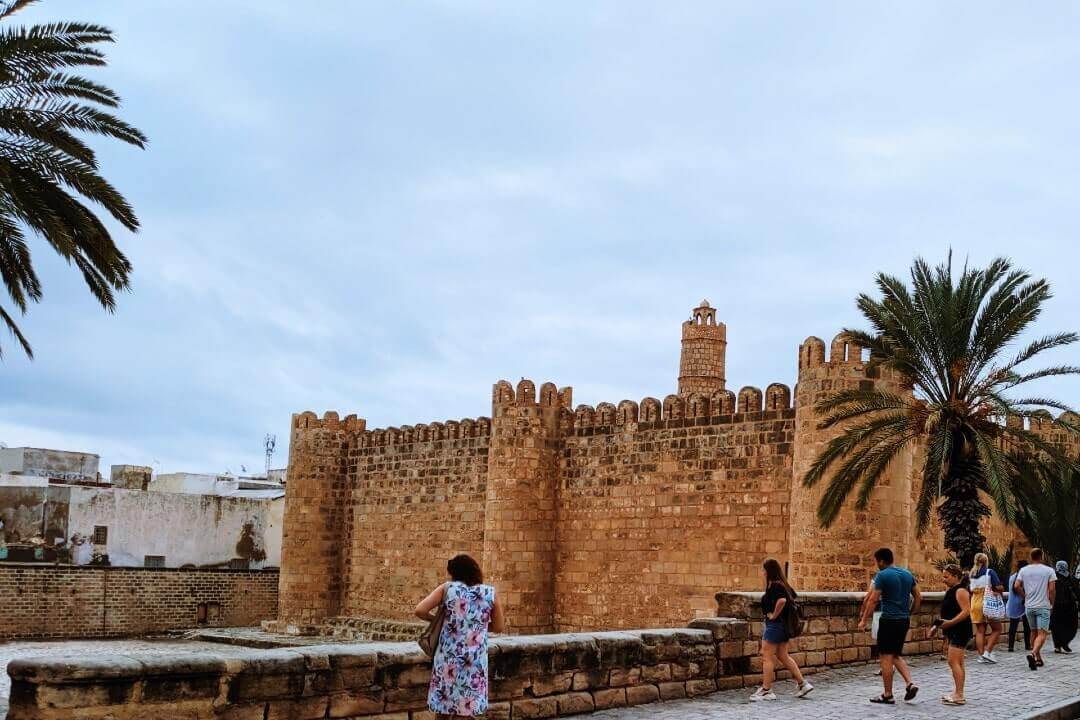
(429, 638)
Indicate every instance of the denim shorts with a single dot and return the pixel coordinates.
(775, 632)
(1039, 618)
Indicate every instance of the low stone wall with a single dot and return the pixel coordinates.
(66, 601)
(531, 677)
(538, 676)
(831, 636)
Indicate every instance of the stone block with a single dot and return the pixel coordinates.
(589, 679)
(729, 683)
(552, 684)
(350, 703)
(242, 711)
(621, 677)
(408, 698)
(251, 685)
(115, 692)
(353, 678)
(179, 688)
(310, 708)
(672, 690)
(612, 697)
(498, 711)
(534, 708)
(85, 668)
(700, 687)
(573, 703)
(642, 694)
(509, 688)
(656, 673)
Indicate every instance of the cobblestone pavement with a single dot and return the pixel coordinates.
(58, 648)
(1006, 690)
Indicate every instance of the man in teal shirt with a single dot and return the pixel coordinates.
(895, 588)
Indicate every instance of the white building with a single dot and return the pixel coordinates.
(54, 507)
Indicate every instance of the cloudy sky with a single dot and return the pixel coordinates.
(384, 208)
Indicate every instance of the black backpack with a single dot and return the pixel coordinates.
(794, 622)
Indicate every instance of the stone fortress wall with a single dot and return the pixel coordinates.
(621, 515)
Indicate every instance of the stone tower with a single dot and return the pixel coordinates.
(520, 515)
(839, 558)
(704, 347)
(315, 520)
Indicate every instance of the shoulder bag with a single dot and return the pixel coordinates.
(429, 638)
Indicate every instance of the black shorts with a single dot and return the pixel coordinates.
(891, 635)
(959, 635)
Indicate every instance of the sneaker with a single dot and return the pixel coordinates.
(804, 689)
(990, 657)
(1067, 650)
(1032, 663)
(982, 659)
(762, 694)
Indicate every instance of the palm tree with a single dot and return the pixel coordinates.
(1048, 512)
(948, 340)
(46, 170)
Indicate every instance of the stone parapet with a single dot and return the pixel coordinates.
(531, 677)
(831, 636)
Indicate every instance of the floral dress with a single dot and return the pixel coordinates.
(459, 674)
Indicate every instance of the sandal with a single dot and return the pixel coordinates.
(910, 693)
(950, 700)
(883, 699)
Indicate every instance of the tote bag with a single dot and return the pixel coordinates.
(993, 603)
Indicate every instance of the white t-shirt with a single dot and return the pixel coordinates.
(1036, 580)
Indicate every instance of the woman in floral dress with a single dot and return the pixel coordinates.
(459, 677)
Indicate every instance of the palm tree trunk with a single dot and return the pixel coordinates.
(962, 509)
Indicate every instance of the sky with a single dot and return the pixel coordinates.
(384, 208)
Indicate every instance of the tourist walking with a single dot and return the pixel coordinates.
(895, 588)
(955, 624)
(778, 605)
(1063, 617)
(1036, 583)
(1016, 612)
(459, 673)
(987, 607)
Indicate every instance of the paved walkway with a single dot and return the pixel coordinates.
(1006, 690)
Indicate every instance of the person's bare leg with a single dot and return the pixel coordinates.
(768, 665)
(1037, 646)
(789, 663)
(956, 664)
(995, 635)
(886, 673)
(980, 639)
(903, 669)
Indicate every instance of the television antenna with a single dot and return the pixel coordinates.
(269, 443)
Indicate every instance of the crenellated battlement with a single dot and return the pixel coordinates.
(308, 420)
(720, 406)
(842, 352)
(505, 394)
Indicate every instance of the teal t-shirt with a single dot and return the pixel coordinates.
(895, 585)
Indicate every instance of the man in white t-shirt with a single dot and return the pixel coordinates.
(1036, 583)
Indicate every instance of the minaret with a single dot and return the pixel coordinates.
(704, 346)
